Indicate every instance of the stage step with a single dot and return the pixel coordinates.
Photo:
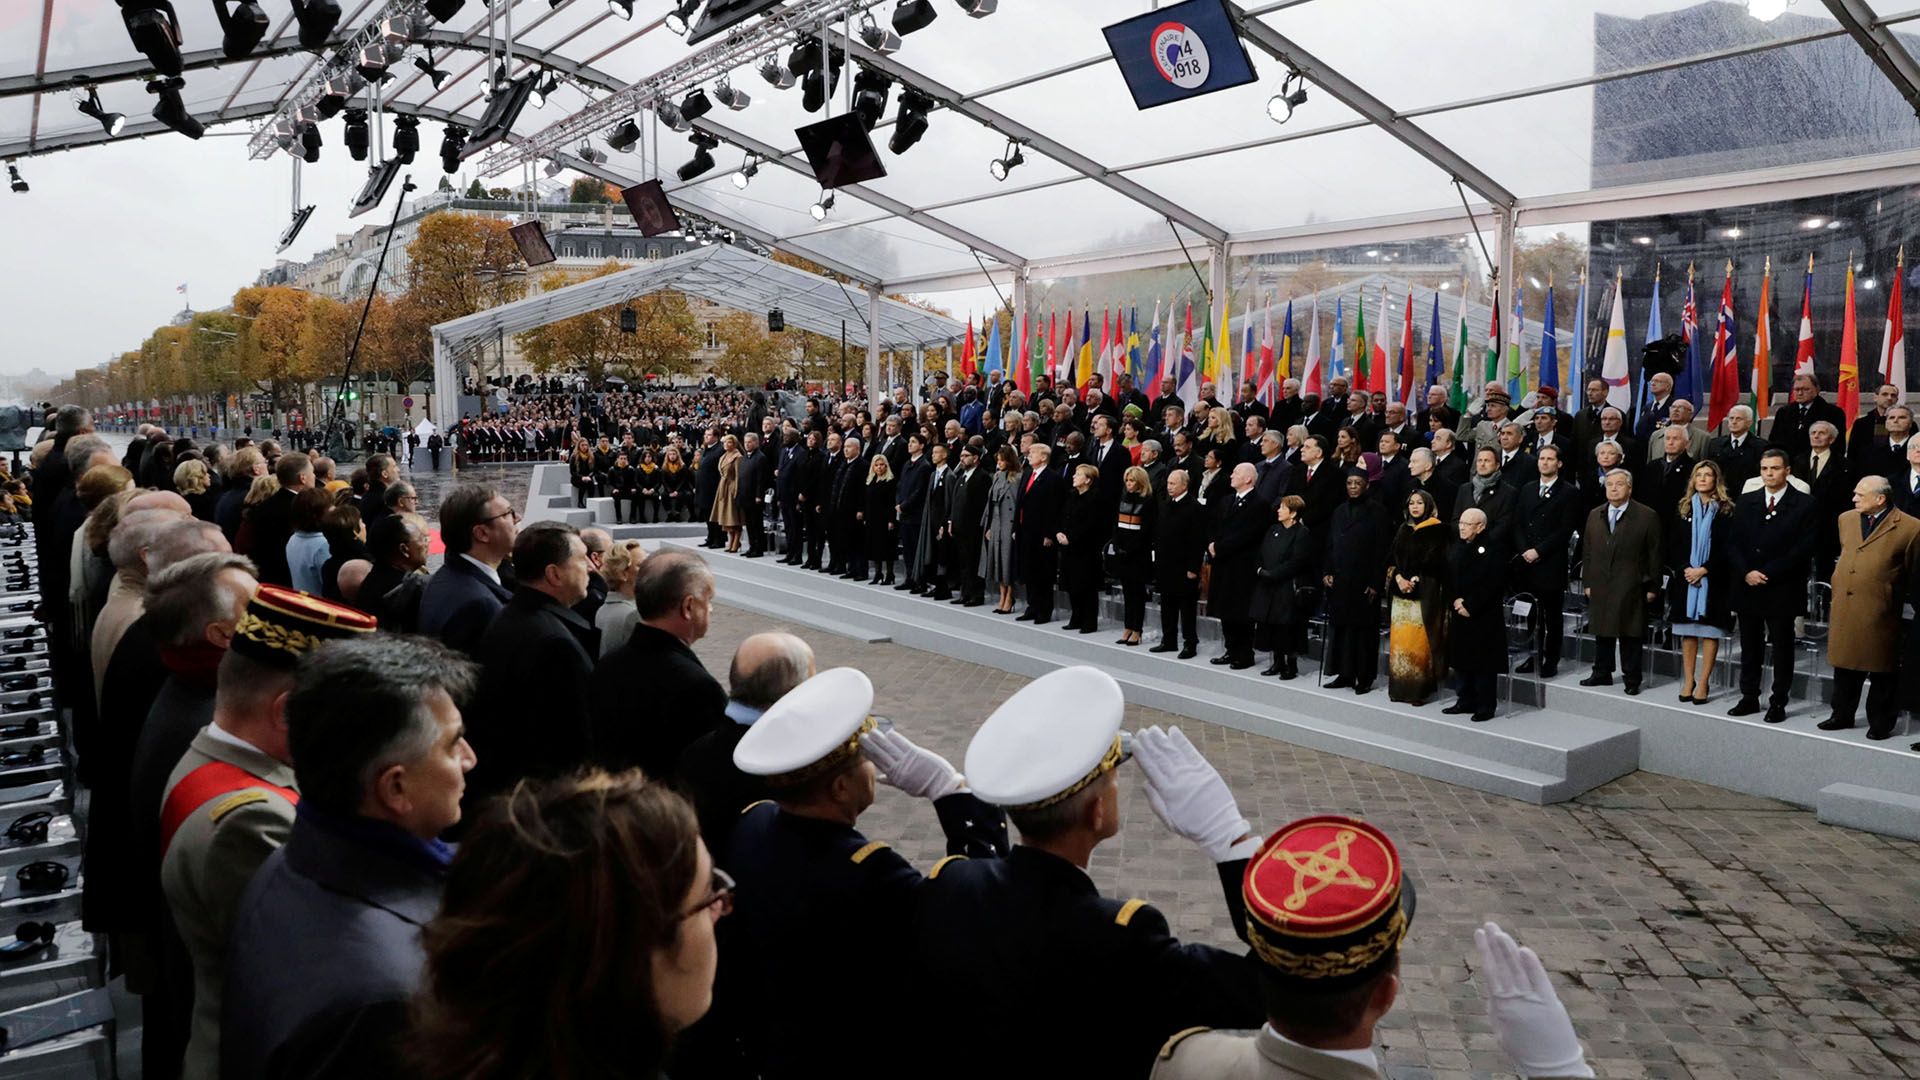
(1538, 756)
(1892, 813)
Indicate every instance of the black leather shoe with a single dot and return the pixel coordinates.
(1223, 658)
(1880, 736)
(1481, 717)
(1043, 622)
(1165, 646)
(974, 603)
(1339, 683)
(1597, 680)
(1549, 670)
(1746, 706)
(1633, 689)
(1456, 709)
(1271, 670)
(1525, 668)
(1363, 688)
(1089, 629)
(1025, 616)
(904, 586)
(1776, 714)
(1834, 723)
(756, 555)
(1189, 653)
(1241, 665)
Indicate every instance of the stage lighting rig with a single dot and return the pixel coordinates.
(819, 80)
(703, 147)
(725, 94)
(625, 136)
(822, 206)
(776, 73)
(310, 143)
(749, 169)
(695, 105)
(1281, 105)
(373, 61)
(979, 9)
(669, 114)
(912, 15)
(496, 83)
(545, 89)
(113, 122)
(451, 144)
(334, 97)
(877, 37)
(240, 28)
(358, 134)
(621, 9)
(1007, 162)
(406, 138)
(317, 18)
(171, 111)
(155, 31)
(553, 167)
(13, 179)
(506, 105)
(442, 10)
(870, 90)
(434, 75)
(911, 123)
(681, 17)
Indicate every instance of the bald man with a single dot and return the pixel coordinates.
(352, 575)
(764, 668)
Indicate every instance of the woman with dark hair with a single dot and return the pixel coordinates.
(996, 527)
(576, 936)
(1416, 586)
(1079, 542)
(1286, 561)
(1133, 551)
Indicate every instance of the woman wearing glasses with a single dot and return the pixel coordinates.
(576, 937)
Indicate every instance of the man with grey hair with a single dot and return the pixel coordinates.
(673, 594)
(1825, 470)
(598, 541)
(764, 668)
(380, 756)
(128, 549)
(849, 501)
(1738, 451)
(1621, 577)
(1879, 547)
(1153, 459)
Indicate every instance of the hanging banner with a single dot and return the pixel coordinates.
(1179, 52)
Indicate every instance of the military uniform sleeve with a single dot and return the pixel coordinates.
(973, 828)
(244, 834)
(1176, 985)
(1212, 1055)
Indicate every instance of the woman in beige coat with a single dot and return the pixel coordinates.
(725, 514)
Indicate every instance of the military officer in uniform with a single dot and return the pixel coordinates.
(229, 803)
(1327, 908)
(816, 899)
(1028, 944)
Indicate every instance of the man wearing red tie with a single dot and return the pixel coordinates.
(1035, 521)
(1770, 559)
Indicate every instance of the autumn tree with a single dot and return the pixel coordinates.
(665, 340)
(276, 362)
(457, 264)
(587, 189)
(753, 355)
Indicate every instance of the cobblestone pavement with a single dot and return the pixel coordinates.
(1693, 932)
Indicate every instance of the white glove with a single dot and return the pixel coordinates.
(1187, 793)
(920, 773)
(1528, 1019)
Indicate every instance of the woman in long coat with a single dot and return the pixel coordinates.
(883, 543)
(1132, 559)
(725, 514)
(997, 527)
(1699, 582)
(1080, 530)
(1286, 561)
(1416, 573)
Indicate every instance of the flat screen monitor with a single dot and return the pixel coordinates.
(721, 14)
(840, 151)
(1178, 52)
(531, 238)
(648, 204)
(497, 122)
(378, 181)
(300, 217)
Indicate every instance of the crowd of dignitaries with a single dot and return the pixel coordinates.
(645, 856)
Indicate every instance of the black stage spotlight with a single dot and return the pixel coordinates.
(241, 28)
(624, 136)
(877, 37)
(442, 10)
(695, 105)
(870, 96)
(494, 84)
(1281, 105)
(749, 169)
(333, 97)
(13, 178)
(912, 15)
(776, 73)
(629, 321)
(310, 143)
(821, 207)
(805, 57)
(317, 18)
(451, 144)
(703, 146)
(776, 321)
(979, 9)
(113, 122)
(155, 31)
(622, 9)
(545, 90)
(669, 114)
(373, 61)
(1005, 164)
(725, 94)
(591, 156)
(817, 85)
(357, 134)
(911, 124)
(171, 111)
(406, 138)
(681, 16)
(433, 74)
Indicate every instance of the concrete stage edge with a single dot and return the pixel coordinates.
(1551, 740)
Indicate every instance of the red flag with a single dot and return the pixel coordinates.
(1023, 366)
(1893, 346)
(966, 351)
(1848, 389)
(1406, 353)
(1803, 356)
(1726, 358)
(1106, 343)
(1051, 355)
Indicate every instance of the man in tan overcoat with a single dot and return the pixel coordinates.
(1621, 575)
(1878, 548)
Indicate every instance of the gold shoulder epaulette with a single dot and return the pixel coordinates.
(941, 865)
(1167, 1048)
(751, 805)
(1125, 914)
(872, 846)
(234, 802)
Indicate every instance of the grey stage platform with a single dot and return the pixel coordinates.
(550, 498)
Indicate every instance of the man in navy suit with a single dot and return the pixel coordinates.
(1770, 558)
(479, 527)
(1036, 515)
(910, 498)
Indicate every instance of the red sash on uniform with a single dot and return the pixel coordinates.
(203, 785)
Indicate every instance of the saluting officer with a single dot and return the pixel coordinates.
(822, 912)
(1328, 907)
(1026, 947)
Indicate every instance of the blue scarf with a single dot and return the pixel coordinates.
(1703, 514)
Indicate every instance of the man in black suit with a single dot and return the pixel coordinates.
(1362, 420)
(1275, 474)
(1235, 550)
(1549, 429)
(1769, 558)
(1738, 451)
(529, 717)
(1830, 482)
(1544, 517)
(273, 519)
(933, 561)
(1290, 410)
(1113, 460)
(764, 668)
(1332, 413)
(819, 504)
(382, 473)
(1487, 491)
(910, 499)
(1662, 482)
(1870, 431)
(755, 480)
(1906, 481)
(1793, 424)
(1036, 518)
(1356, 555)
(1516, 465)
(1586, 422)
(1179, 546)
(849, 502)
(1654, 412)
(1187, 461)
(1168, 398)
(706, 484)
(1450, 463)
(789, 486)
(1391, 488)
(972, 487)
(1422, 478)
(461, 599)
(1890, 455)
(1612, 425)
(674, 595)
(1320, 482)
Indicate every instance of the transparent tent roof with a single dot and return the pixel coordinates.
(1588, 104)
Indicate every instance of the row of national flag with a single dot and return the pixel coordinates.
(1388, 359)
